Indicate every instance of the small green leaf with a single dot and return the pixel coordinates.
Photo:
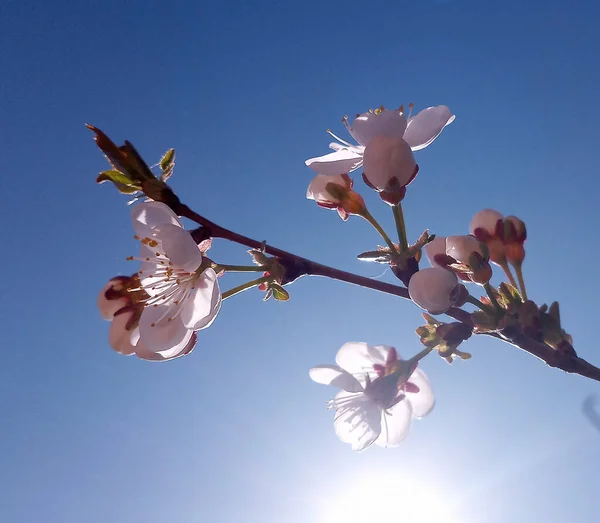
(279, 293)
(167, 164)
(121, 181)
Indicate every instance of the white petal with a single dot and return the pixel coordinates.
(358, 422)
(317, 189)
(462, 247)
(422, 402)
(333, 375)
(144, 353)
(437, 246)
(147, 215)
(485, 219)
(202, 306)
(157, 333)
(426, 126)
(387, 158)
(432, 288)
(179, 247)
(107, 307)
(395, 424)
(359, 358)
(119, 337)
(339, 162)
(391, 124)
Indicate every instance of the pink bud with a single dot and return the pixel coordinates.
(119, 335)
(487, 219)
(435, 247)
(386, 159)
(433, 289)
(461, 248)
(317, 190)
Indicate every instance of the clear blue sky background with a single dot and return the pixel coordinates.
(244, 91)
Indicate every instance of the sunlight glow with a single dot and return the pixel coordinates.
(388, 498)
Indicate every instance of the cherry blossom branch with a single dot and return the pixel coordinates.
(297, 266)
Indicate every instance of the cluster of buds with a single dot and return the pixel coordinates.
(504, 236)
(444, 337)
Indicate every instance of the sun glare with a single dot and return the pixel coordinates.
(388, 498)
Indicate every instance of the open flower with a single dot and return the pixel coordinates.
(435, 290)
(380, 394)
(335, 192)
(183, 292)
(417, 132)
(122, 302)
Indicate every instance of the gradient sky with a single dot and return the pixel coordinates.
(244, 91)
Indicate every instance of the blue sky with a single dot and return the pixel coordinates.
(244, 91)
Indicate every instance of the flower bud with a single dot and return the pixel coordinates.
(514, 234)
(434, 289)
(389, 165)
(435, 248)
(485, 226)
(335, 192)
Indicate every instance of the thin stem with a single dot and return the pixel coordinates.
(509, 275)
(240, 268)
(474, 301)
(519, 270)
(490, 292)
(420, 355)
(243, 287)
(400, 225)
(369, 217)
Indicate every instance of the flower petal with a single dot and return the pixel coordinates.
(426, 126)
(358, 421)
(317, 189)
(359, 358)
(107, 307)
(183, 349)
(388, 158)
(119, 338)
(436, 246)
(462, 247)
(432, 289)
(338, 162)
(395, 424)
(422, 402)
(202, 306)
(179, 247)
(388, 123)
(486, 219)
(333, 375)
(159, 334)
(145, 216)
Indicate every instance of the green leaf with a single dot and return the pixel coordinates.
(122, 182)
(279, 293)
(167, 164)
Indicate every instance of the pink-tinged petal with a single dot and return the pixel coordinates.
(202, 306)
(179, 247)
(395, 424)
(338, 162)
(358, 358)
(486, 219)
(437, 246)
(462, 247)
(388, 123)
(388, 158)
(183, 349)
(426, 126)
(432, 289)
(145, 216)
(357, 420)
(157, 333)
(336, 377)
(422, 402)
(107, 307)
(119, 338)
(317, 190)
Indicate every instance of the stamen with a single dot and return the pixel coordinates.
(410, 108)
(338, 138)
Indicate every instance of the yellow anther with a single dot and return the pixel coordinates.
(401, 108)
(411, 105)
(136, 237)
(129, 258)
(153, 325)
